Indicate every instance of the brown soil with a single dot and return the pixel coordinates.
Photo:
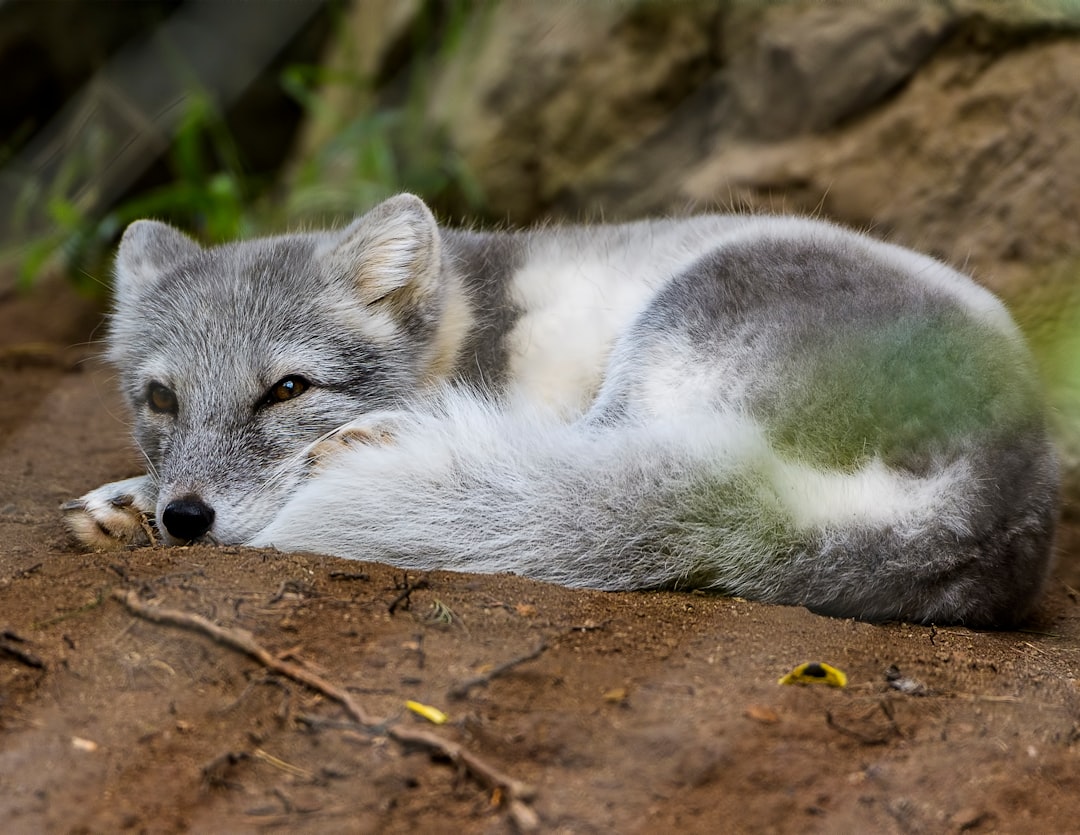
(645, 712)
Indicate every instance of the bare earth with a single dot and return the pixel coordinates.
(636, 713)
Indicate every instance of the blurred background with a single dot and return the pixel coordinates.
(952, 126)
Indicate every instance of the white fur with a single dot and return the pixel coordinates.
(467, 438)
(871, 496)
(578, 297)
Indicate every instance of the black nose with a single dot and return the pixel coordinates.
(187, 518)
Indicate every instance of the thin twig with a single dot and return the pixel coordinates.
(243, 641)
(281, 765)
(404, 600)
(868, 739)
(215, 772)
(25, 572)
(297, 587)
(9, 645)
(348, 575)
(516, 792)
(461, 689)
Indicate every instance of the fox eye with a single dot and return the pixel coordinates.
(161, 399)
(286, 389)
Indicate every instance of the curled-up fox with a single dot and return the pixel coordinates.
(770, 407)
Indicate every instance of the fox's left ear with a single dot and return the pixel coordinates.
(391, 253)
(147, 249)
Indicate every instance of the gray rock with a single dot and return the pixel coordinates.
(809, 69)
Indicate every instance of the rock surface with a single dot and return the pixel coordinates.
(947, 126)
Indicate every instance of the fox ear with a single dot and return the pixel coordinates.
(392, 252)
(146, 250)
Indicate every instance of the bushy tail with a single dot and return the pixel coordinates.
(697, 501)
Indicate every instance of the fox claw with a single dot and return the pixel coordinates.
(114, 516)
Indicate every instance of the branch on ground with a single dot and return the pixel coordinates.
(514, 792)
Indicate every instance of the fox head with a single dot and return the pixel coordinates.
(235, 359)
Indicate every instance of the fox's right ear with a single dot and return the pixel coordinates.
(146, 250)
(391, 255)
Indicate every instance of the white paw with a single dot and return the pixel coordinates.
(117, 515)
(376, 431)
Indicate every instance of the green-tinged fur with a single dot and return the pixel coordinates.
(733, 526)
(905, 393)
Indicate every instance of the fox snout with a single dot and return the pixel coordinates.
(187, 518)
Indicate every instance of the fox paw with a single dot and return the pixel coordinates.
(365, 432)
(118, 515)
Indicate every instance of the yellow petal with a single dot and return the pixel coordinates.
(815, 672)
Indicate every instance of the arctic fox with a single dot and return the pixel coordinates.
(770, 407)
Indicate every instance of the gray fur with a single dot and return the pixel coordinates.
(769, 407)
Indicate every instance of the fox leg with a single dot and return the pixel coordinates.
(115, 515)
(376, 430)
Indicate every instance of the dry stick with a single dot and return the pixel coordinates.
(241, 640)
(867, 739)
(9, 645)
(461, 690)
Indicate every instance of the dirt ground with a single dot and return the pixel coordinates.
(635, 713)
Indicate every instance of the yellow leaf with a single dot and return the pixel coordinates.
(815, 672)
(616, 695)
(432, 714)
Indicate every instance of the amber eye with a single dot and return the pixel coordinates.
(161, 399)
(286, 389)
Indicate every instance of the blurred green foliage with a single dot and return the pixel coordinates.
(1047, 307)
(390, 147)
(207, 194)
